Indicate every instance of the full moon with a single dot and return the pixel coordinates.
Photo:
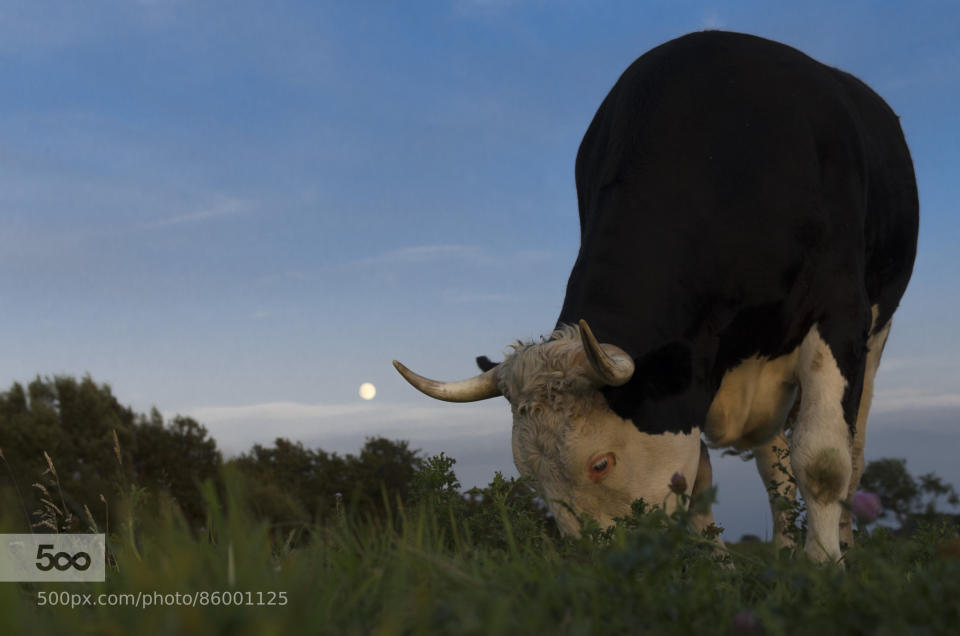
(367, 391)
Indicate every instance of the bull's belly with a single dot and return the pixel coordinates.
(753, 402)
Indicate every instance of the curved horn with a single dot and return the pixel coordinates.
(610, 364)
(480, 387)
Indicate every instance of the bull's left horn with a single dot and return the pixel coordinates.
(480, 387)
(610, 364)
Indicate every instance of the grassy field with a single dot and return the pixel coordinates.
(493, 564)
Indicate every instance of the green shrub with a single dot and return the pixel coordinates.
(487, 563)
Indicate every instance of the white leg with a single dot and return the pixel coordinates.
(821, 447)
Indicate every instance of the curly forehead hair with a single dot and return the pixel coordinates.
(541, 376)
(547, 391)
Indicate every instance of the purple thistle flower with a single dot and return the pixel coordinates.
(338, 495)
(745, 622)
(678, 483)
(866, 506)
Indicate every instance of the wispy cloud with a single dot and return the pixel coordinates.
(534, 256)
(488, 266)
(479, 297)
(425, 254)
(453, 252)
(386, 413)
(273, 411)
(237, 428)
(711, 20)
(912, 364)
(222, 206)
(910, 399)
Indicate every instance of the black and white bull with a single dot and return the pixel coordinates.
(748, 222)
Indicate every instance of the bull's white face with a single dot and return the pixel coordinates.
(584, 458)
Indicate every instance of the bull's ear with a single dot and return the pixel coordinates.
(485, 363)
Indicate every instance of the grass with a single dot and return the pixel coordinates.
(491, 565)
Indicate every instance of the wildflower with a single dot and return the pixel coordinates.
(866, 506)
(338, 495)
(678, 483)
(712, 531)
(745, 622)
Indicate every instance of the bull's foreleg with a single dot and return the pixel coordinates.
(773, 464)
(704, 481)
(820, 445)
(874, 349)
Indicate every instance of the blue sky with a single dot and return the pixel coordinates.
(243, 210)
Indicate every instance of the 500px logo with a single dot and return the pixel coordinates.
(52, 557)
(61, 560)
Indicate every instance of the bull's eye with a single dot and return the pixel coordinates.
(600, 465)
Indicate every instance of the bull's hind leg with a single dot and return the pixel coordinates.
(874, 350)
(821, 443)
(772, 460)
(704, 481)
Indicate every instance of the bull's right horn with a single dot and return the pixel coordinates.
(610, 364)
(480, 387)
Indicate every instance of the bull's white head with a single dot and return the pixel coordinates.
(584, 458)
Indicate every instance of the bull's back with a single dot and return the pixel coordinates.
(724, 171)
(891, 200)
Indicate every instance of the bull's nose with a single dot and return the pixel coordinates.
(566, 520)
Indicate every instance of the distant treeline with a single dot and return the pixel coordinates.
(74, 456)
(71, 449)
